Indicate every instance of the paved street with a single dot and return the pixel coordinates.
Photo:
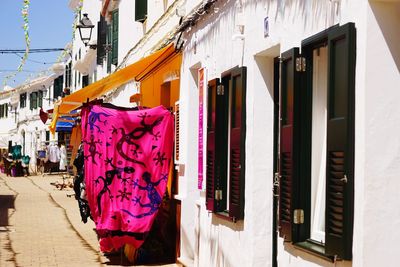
(44, 227)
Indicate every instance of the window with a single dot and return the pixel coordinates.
(40, 99)
(85, 80)
(140, 10)
(68, 74)
(58, 87)
(112, 41)
(75, 76)
(4, 110)
(33, 100)
(109, 44)
(316, 163)
(226, 134)
(101, 40)
(114, 53)
(22, 100)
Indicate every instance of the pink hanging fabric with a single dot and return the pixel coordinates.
(127, 156)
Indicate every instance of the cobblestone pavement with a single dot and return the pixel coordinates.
(45, 228)
(40, 234)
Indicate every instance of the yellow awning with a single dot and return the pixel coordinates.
(101, 87)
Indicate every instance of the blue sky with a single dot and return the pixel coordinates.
(50, 26)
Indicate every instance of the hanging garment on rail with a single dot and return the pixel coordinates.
(127, 156)
(79, 185)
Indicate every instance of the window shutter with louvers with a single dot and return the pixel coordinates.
(288, 168)
(40, 99)
(340, 142)
(140, 10)
(115, 37)
(101, 39)
(177, 133)
(109, 52)
(210, 164)
(31, 101)
(57, 90)
(237, 144)
(34, 100)
(221, 141)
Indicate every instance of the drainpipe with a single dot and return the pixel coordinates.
(274, 220)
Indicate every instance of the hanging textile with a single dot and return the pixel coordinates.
(76, 138)
(79, 185)
(127, 158)
(16, 152)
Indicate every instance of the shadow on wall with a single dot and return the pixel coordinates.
(388, 19)
(235, 226)
(218, 255)
(312, 12)
(265, 64)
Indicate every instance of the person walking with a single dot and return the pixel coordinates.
(63, 157)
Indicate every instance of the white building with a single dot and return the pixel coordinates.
(297, 94)
(342, 151)
(7, 118)
(21, 122)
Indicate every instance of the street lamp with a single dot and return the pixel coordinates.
(85, 28)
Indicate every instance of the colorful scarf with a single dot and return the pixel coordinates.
(127, 156)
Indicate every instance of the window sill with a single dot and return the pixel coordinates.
(225, 216)
(314, 248)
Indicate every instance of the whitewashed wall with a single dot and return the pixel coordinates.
(93, 9)
(6, 124)
(209, 241)
(377, 147)
(381, 149)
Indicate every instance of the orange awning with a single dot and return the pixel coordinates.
(118, 78)
(99, 88)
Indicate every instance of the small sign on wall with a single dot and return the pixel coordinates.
(201, 81)
(266, 27)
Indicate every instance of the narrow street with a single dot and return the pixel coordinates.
(42, 226)
(39, 232)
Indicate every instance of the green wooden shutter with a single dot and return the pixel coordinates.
(340, 141)
(40, 99)
(34, 100)
(109, 42)
(237, 143)
(21, 101)
(69, 77)
(31, 101)
(85, 80)
(288, 162)
(6, 109)
(210, 164)
(57, 87)
(115, 37)
(140, 10)
(24, 99)
(1, 111)
(101, 39)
